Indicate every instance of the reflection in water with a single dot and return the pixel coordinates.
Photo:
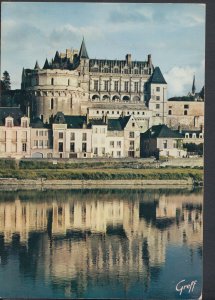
(76, 240)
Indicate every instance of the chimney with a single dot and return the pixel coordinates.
(106, 119)
(128, 59)
(28, 111)
(149, 60)
(179, 128)
(87, 115)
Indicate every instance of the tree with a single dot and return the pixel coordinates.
(6, 81)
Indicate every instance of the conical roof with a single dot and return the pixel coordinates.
(157, 77)
(83, 50)
(37, 67)
(46, 65)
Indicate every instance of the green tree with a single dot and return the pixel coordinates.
(6, 81)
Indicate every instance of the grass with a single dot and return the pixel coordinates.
(104, 174)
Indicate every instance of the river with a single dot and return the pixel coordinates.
(101, 243)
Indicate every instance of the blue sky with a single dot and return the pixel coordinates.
(174, 34)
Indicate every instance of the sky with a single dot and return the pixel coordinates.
(174, 34)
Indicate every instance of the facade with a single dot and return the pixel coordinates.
(14, 133)
(72, 83)
(161, 141)
(186, 112)
(68, 136)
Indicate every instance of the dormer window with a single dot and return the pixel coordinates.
(24, 123)
(9, 122)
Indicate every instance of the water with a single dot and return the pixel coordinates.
(101, 243)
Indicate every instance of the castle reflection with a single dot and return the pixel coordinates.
(73, 237)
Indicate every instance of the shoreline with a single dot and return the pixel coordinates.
(8, 183)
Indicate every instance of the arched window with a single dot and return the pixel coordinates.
(52, 103)
(126, 98)
(115, 98)
(52, 81)
(169, 112)
(105, 97)
(95, 97)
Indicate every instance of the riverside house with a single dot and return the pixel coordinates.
(160, 141)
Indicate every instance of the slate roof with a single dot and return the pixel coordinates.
(157, 77)
(118, 124)
(38, 123)
(111, 63)
(14, 112)
(161, 131)
(75, 121)
(83, 51)
(78, 121)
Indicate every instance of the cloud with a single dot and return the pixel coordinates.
(180, 79)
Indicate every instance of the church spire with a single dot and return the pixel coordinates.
(193, 86)
(83, 50)
(37, 67)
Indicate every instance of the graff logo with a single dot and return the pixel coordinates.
(189, 287)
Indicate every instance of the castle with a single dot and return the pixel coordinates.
(81, 107)
(74, 84)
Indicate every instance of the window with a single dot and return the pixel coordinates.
(136, 71)
(9, 123)
(119, 144)
(84, 147)
(112, 112)
(165, 144)
(60, 147)
(84, 136)
(106, 83)
(97, 112)
(45, 144)
(187, 135)
(52, 103)
(117, 112)
(157, 97)
(72, 136)
(25, 124)
(60, 135)
(157, 106)
(157, 89)
(143, 113)
(41, 143)
(133, 124)
(136, 86)
(68, 82)
(103, 151)
(116, 86)
(126, 86)
(95, 150)
(131, 145)
(112, 144)
(41, 133)
(37, 132)
(186, 106)
(131, 134)
(96, 85)
(169, 112)
(185, 112)
(125, 71)
(35, 143)
(52, 81)
(72, 147)
(24, 147)
(118, 153)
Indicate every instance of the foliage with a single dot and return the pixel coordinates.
(6, 81)
(191, 147)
